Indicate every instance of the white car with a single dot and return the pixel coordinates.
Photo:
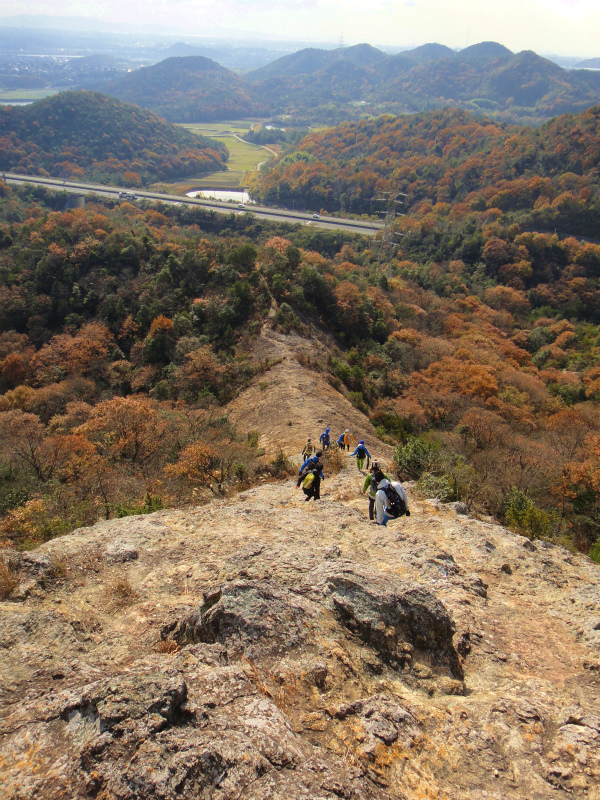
(316, 216)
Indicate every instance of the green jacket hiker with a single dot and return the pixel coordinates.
(370, 486)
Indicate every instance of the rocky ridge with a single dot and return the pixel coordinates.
(264, 647)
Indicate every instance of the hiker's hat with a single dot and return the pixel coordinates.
(362, 441)
(308, 440)
(347, 430)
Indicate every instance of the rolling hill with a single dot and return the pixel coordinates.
(187, 89)
(86, 134)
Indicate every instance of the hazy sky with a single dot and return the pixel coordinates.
(570, 27)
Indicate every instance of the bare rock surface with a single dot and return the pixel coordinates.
(264, 648)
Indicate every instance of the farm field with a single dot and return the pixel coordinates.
(26, 95)
(243, 157)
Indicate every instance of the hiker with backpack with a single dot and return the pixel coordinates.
(391, 501)
(325, 439)
(361, 453)
(310, 477)
(340, 441)
(348, 439)
(308, 450)
(370, 486)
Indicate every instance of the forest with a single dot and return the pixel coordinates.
(473, 344)
(450, 163)
(86, 135)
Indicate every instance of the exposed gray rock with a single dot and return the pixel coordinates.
(243, 614)
(23, 590)
(120, 551)
(458, 507)
(395, 623)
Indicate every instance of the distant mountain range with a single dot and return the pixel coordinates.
(328, 85)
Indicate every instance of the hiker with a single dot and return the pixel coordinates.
(348, 439)
(311, 475)
(312, 460)
(325, 439)
(391, 501)
(308, 450)
(370, 486)
(340, 441)
(361, 453)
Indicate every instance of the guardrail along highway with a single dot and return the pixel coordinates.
(264, 212)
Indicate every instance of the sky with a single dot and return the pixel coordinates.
(561, 27)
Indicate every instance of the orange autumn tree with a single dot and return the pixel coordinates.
(198, 464)
(130, 432)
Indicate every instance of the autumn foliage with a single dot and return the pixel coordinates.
(88, 135)
(473, 345)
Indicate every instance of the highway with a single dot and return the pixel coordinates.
(263, 212)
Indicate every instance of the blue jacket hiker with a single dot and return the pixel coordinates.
(325, 439)
(340, 441)
(312, 462)
(361, 453)
(310, 477)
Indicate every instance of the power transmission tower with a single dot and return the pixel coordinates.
(388, 206)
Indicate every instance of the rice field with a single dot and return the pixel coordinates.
(25, 95)
(243, 157)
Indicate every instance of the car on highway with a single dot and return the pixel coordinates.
(316, 216)
(128, 195)
(241, 207)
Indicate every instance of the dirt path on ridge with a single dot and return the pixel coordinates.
(291, 402)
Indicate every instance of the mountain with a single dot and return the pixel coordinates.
(86, 134)
(189, 89)
(363, 55)
(426, 53)
(589, 63)
(487, 75)
(528, 79)
(315, 84)
(313, 59)
(495, 80)
(232, 646)
(304, 62)
(485, 51)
